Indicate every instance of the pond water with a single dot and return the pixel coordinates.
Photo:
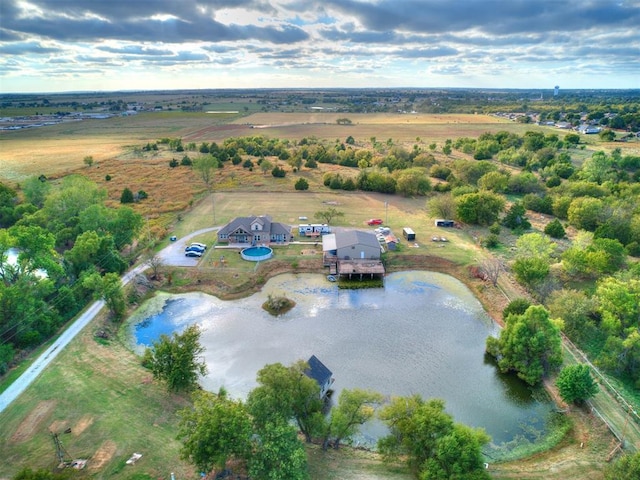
(422, 333)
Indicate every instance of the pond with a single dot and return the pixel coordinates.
(422, 333)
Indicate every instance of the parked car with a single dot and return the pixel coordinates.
(374, 221)
(201, 245)
(194, 248)
(193, 253)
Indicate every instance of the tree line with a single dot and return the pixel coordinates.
(69, 249)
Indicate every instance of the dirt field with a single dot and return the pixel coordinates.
(33, 421)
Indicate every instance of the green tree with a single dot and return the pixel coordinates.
(36, 248)
(442, 206)
(432, 443)
(328, 215)
(531, 271)
(355, 407)
(482, 208)
(278, 454)
(88, 160)
(516, 218)
(576, 310)
(516, 307)
(176, 360)
(626, 467)
(108, 288)
(286, 393)
(494, 181)
(618, 303)
(205, 167)
(535, 245)
(127, 196)
(530, 344)
(412, 181)
(458, 456)
(597, 168)
(607, 135)
(214, 430)
(35, 190)
(575, 384)
(265, 166)
(586, 213)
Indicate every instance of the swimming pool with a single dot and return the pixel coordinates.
(257, 254)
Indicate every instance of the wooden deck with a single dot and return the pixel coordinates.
(360, 268)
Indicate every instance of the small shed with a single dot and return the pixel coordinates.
(321, 374)
(408, 233)
(441, 222)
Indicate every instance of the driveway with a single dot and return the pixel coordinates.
(173, 255)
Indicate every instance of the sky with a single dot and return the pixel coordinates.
(105, 45)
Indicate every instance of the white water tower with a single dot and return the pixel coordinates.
(556, 90)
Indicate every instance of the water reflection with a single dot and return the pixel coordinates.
(423, 333)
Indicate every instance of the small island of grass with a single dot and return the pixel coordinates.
(278, 305)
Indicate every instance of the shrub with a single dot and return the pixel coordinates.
(278, 172)
(555, 229)
(491, 241)
(173, 163)
(127, 196)
(107, 178)
(302, 184)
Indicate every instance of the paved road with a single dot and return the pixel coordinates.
(172, 255)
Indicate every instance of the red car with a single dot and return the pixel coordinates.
(374, 221)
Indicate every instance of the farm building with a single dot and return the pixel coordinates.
(254, 230)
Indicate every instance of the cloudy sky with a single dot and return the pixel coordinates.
(73, 45)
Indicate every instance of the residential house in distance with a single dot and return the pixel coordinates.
(321, 374)
(254, 230)
(353, 252)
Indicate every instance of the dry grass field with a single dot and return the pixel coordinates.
(58, 149)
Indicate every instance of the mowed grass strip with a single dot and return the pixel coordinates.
(112, 407)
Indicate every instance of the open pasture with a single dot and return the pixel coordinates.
(58, 149)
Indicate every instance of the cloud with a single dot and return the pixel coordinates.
(134, 50)
(23, 48)
(324, 39)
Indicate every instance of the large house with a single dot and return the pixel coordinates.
(254, 231)
(352, 252)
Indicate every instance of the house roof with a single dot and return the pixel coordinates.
(244, 223)
(318, 371)
(329, 242)
(347, 238)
